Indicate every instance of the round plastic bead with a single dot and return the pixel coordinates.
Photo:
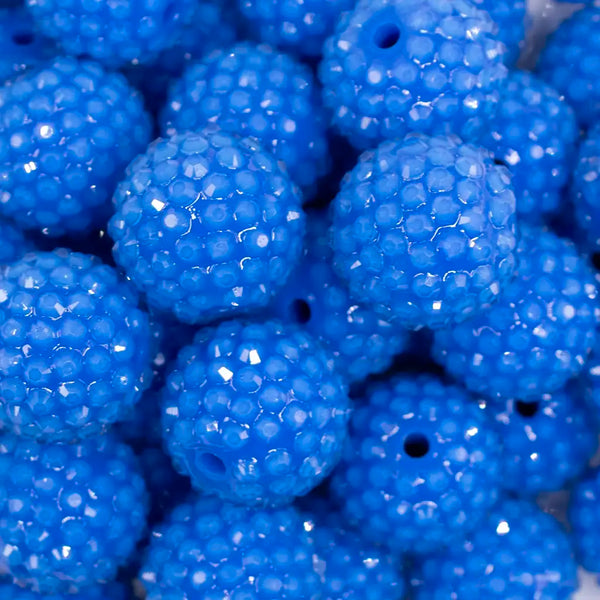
(546, 443)
(511, 18)
(114, 33)
(111, 591)
(213, 549)
(534, 133)
(255, 91)
(569, 62)
(395, 66)
(67, 131)
(73, 346)
(424, 229)
(517, 552)
(298, 26)
(208, 225)
(14, 244)
(361, 342)
(349, 567)
(585, 189)
(21, 45)
(538, 335)
(584, 517)
(255, 412)
(70, 515)
(422, 461)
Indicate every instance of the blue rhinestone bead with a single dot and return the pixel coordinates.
(111, 591)
(361, 342)
(255, 412)
(67, 131)
(538, 335)
(73, 346)
(298, 26)
(21, 45)
(518, 552)
(114, 33)
(208, 225)
(252, 90)
(423, 228)
(585, 190)
(214, 550)
(422, 461)
(584, 517)
(14, 244)
(534, 133)
(395, 66)
(70, 515)
(546, 443)
(570, 61)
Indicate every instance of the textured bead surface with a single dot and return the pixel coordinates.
(114, 33)
(422, 461)
(111, 591)
(570, 60)
(255, 91)
(395, 66)
(584, 517)
(214, 550)
(585, 189)
(298, 26)
(546, 443)
(423, 228)
(14, 244)
(511, 19)
(349, 567)
(69, 515)
(21, 45)
(518, 552)
(208, 225)
(67, 131)
(535, 134)
(255, 412)
(360, 341)
(73, 346)
(538, 335)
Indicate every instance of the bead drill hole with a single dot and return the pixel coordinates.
(387, 36)
(211, 464)
(527, 409)
(301, 311)
(23, 39)
(500, 162)
(416, 445)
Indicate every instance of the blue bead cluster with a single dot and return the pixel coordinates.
(255, 91)
(585, 519)
(423, 228)
(111, 591)
(255, 412)
(67, 131)
(207, 224)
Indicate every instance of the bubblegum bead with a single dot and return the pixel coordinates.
(111, 591)
(73, 346)
(570, 60)
(546, 443)
(21, 45)
(298, 26)
(584, 517)
(510, 17)
(70, 515)
(114, 33)
(255, 412)
(538, 335)
(535, 134)
(517, 552)
(213, 550)
(253, 90)
(208, 225)
(423, 228)
(421, 466)
(361, 342)
(395, 66)
(14, 244)
(67, 131)
(585, 189)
